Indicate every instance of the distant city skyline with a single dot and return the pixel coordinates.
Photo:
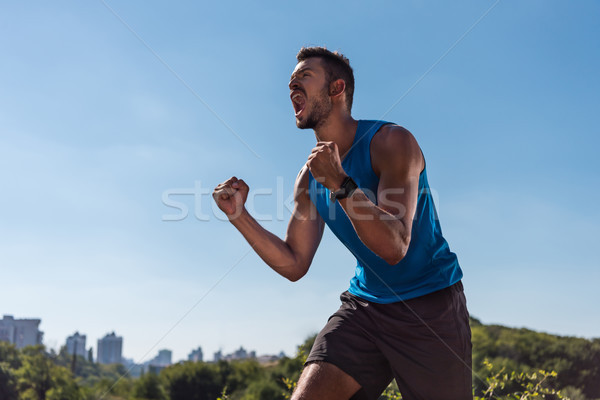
(25, 332)
(109, 347)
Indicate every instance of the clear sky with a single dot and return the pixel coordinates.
(108, 108)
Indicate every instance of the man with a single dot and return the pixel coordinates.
(404, 315)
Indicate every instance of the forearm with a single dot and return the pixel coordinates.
(272, 249)
(383, 233)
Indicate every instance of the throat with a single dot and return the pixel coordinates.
(343, 135)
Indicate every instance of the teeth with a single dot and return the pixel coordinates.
(295, 96)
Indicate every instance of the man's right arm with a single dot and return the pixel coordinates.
(290, 257)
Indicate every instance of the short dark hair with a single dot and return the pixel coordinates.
(336, 67)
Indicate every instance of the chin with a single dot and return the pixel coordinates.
(301, 123)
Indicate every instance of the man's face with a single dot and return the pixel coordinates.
(309, 94)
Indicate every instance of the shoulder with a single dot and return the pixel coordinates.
(392, 139)
(302, 180)
(303, 175)
(395, 146)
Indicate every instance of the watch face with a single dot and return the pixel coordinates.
(332, 196)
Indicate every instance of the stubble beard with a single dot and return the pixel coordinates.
(317, 112)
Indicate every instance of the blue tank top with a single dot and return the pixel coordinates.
(428, 265)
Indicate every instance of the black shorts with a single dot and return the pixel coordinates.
(424, 343)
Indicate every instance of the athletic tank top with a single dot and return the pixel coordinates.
(428, 266)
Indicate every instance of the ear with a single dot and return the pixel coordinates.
(337, 87)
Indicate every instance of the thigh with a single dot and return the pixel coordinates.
(346, 341)
(429, 346)
(321, 380)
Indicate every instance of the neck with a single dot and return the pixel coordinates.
(339, 129)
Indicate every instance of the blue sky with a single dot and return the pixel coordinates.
(95, 130)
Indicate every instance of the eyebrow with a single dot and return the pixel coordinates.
(301, 70)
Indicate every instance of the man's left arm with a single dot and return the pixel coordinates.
(384, 228)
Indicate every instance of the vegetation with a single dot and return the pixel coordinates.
(576, 361)
(508, 364)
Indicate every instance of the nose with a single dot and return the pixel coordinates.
(293, 84)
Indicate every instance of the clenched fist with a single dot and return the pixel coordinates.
(325, 165)
(231, 196)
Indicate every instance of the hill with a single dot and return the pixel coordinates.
(575, 360)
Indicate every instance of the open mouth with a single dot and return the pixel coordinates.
(299, 102)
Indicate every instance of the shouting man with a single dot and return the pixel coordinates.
(404, 315)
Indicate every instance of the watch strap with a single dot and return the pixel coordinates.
(346, 189)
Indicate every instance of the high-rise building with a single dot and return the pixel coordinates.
(218, 356)
(20, 332)
(76, 345)
(195, 355)
(110, 349)
(163, 358)
(160, 362)
(134, 370)
(239, 354)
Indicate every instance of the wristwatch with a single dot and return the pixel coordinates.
(346, 189)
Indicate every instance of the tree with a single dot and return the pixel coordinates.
(264, 390)
(8, 383)
(149, 387)
(9, 363)
(193, 381)
(63, 385)
(34, 378)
